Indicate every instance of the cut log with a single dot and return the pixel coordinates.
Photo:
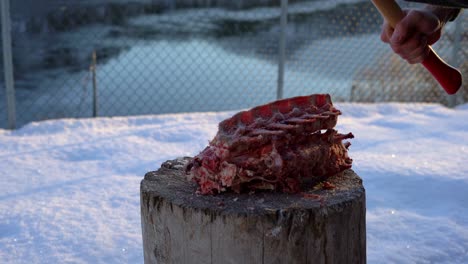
(319, 225)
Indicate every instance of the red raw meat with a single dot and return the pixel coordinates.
(274, 147)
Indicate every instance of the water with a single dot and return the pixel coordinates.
(192, 59)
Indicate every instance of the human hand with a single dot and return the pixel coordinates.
(412, 35)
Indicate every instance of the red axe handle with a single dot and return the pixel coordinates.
(449, 78)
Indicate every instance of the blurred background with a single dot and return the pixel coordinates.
(116, 58)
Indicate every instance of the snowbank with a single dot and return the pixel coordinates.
(69, 189)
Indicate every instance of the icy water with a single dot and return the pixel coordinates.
(193, 59)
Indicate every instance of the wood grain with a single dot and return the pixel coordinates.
(180, 226)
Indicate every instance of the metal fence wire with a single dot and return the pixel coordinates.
(167, 56)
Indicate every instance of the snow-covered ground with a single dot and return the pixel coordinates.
(69, 189)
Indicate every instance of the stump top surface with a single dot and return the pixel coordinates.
(170, 183)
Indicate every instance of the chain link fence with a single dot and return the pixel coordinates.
(167, 56)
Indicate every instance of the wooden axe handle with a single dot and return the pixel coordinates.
(448, 77)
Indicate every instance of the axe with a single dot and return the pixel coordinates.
(448, 77)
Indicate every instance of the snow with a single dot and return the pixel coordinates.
(69, 188)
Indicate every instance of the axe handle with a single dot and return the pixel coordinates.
(448, 77)
(390, 10)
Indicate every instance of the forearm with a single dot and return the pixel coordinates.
(445, 14)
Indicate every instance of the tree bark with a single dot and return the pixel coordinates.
(319, 225)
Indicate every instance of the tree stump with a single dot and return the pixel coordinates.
(319, 225)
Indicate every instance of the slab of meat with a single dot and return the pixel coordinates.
(274, 146)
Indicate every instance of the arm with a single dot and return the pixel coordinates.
(445, 14)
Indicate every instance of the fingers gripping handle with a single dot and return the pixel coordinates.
(448, 77)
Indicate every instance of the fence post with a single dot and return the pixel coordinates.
(455, 58)
(95, 93)
(282, 48)
(8, 62)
